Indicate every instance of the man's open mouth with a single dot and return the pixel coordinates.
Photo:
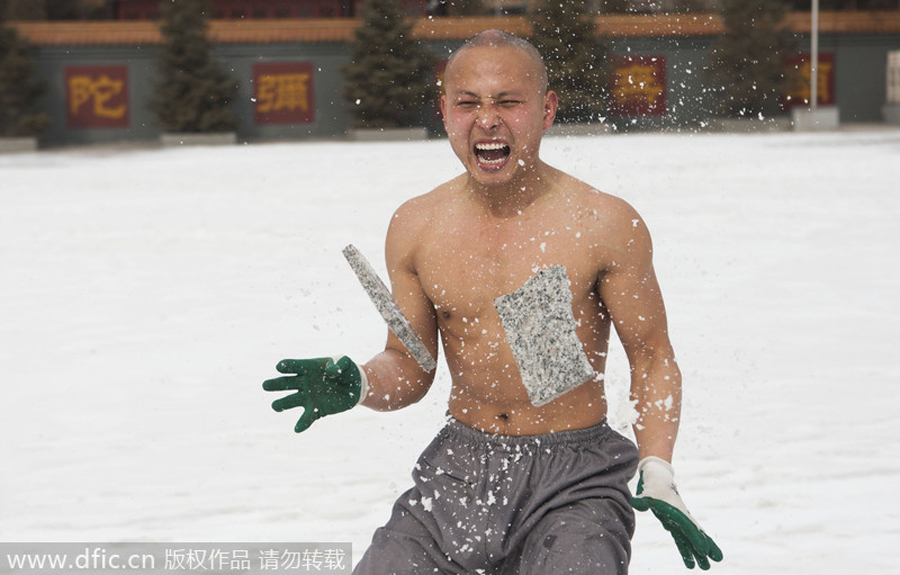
(492, 154)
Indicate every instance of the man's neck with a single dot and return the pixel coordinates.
(512, 198)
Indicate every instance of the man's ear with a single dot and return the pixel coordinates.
(551, 105)
(444, 109)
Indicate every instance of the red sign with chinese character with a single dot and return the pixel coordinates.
(801, 92)
(283, 93)
(97, 96)
(638, 86)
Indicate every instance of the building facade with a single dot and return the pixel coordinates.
(101, 75)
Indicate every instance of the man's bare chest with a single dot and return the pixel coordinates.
(463, 269)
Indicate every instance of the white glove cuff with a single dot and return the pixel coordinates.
(363, 385)
(657, 468)
(658, 478)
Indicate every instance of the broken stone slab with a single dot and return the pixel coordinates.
(540, 329)
(387, 306)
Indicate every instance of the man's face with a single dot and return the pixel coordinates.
(495, 112)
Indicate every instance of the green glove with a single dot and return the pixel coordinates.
(656, 491)
(325, 386)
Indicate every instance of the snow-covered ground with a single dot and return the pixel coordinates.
(146, 294)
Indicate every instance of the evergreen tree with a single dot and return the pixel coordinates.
(566, 37)
(19, 90)
(194, 93)
(748, 62)
(390, 78)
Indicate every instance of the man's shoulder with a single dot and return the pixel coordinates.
(608, 210)
(609, 221)
(416, 214)
(423, 206)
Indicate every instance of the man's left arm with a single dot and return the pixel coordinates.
(630, 290)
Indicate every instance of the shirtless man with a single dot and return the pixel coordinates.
(509, 487)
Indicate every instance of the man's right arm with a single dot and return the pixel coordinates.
(392, 379)
(395, 379)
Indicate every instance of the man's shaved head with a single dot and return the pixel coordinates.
(502, 39)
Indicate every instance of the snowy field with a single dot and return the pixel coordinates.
(146, 294)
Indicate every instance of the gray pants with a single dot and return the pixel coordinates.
(498, 505)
